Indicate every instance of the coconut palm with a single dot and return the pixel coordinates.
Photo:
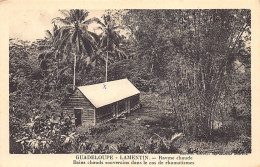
(74, 38)
(110, 38)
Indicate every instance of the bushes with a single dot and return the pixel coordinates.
(46, 133)
(217, 147)
(102, 129)
(41, 135)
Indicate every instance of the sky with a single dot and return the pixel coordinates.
(32, 24)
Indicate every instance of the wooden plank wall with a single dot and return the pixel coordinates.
(77, 100)
(104, 113)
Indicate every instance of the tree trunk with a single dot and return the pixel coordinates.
(74, 72)
(107, 59)
(57, 80)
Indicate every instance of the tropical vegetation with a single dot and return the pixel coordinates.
(192, 67)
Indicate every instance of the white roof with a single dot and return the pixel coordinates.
(108, 92)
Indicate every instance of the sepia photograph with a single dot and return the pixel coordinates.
(130, 81)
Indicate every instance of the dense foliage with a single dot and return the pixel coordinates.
(200, 55)
(197, 61)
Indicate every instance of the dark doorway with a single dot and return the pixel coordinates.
(77, 113)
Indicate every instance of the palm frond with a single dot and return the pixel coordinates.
(84, 15)
(73, 37)
(117, 27)
(103, 42)
(87, 46)
(47, 54)
(64, 31)
(61, 20)
(65, 13)
(120, 52)
(49, 34)
(73, 16)
(105, 19)
(94, 36)
(61, 41)
(97, 20)
(93, 57)
(67, 46)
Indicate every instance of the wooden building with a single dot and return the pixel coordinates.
(94, 104)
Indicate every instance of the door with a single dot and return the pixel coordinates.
(78, 113)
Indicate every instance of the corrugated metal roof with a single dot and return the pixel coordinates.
(108, 92)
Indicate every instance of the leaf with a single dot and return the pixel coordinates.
(63, 136)
(176, 136)
(43, 143)
(36, 145)
(30, 124)
(59, 19)
(24, 138)
(93, 64)
(88, 60)
(54, 121)
(67, 140)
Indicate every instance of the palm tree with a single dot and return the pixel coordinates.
(74, 37)
(110, 38)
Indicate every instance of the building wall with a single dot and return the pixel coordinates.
(104, 113)
(115, 109)
(134, 102)
(92, 116)
(78, 101)
(122, 106)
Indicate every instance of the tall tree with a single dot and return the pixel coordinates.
(110, 39)
(74, 37)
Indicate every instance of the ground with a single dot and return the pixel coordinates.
(152, 125)
(139, 126)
